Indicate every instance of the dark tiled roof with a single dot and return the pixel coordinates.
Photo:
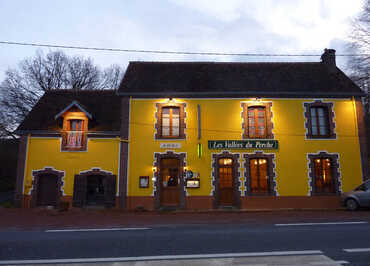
(103, 105)
(235, 79)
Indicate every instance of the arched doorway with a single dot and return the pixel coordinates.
(47, 187)
(47, 191)
(94, 188)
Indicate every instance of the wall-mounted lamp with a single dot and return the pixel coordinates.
(185, 168)
(154, 169)
(257, 99)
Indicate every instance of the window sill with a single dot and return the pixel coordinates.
(74, 149)
(170, 138)
(261, 138)
(321, 137)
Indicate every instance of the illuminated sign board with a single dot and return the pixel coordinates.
(262, 144)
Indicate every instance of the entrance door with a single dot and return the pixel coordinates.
(95, 190)
(226, 184)
(170, 182)
(47, 190)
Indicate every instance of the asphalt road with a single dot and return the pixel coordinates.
(331, 239)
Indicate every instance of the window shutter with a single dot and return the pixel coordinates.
(110, 191)
(79, 193)
(35, 184)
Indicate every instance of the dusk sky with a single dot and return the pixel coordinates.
(232, 26)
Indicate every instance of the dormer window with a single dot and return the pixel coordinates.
(75, 127)
(75, 134)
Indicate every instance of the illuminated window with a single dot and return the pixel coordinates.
(319, 120)
(257, 120)
(259, 177)
(74, 134)
(259, 174)
(170, 121)
(324, 182)
(324, 173)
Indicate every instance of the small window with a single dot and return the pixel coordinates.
(170, 121)
(324, 181)
(257, 122)
(319, 120)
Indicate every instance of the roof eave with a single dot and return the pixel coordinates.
(78, 105)
(297, 94)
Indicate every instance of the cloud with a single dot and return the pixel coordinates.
(235, 26)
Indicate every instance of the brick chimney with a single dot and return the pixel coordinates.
(328, 58)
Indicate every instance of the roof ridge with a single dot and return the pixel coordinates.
(214, 62)
(71, 91)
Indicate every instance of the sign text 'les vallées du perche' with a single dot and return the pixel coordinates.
(243, 144)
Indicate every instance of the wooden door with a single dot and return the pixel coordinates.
(170, 182)
(110, 191)
(47, 190)
(95, 190)
(80, 191)
(226, 182)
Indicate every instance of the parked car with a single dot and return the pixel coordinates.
(359, 197)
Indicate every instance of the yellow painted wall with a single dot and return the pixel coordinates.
(45, 152)
(221, 120)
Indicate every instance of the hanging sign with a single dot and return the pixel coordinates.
(243, 144)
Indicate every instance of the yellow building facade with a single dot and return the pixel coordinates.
(198, 135)
(221, 119)
(102, 156)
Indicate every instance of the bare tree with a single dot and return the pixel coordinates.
(23, 87)
(360, 44)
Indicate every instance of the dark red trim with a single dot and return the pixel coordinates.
(124, 145)
(21, 164)
(361, 127)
